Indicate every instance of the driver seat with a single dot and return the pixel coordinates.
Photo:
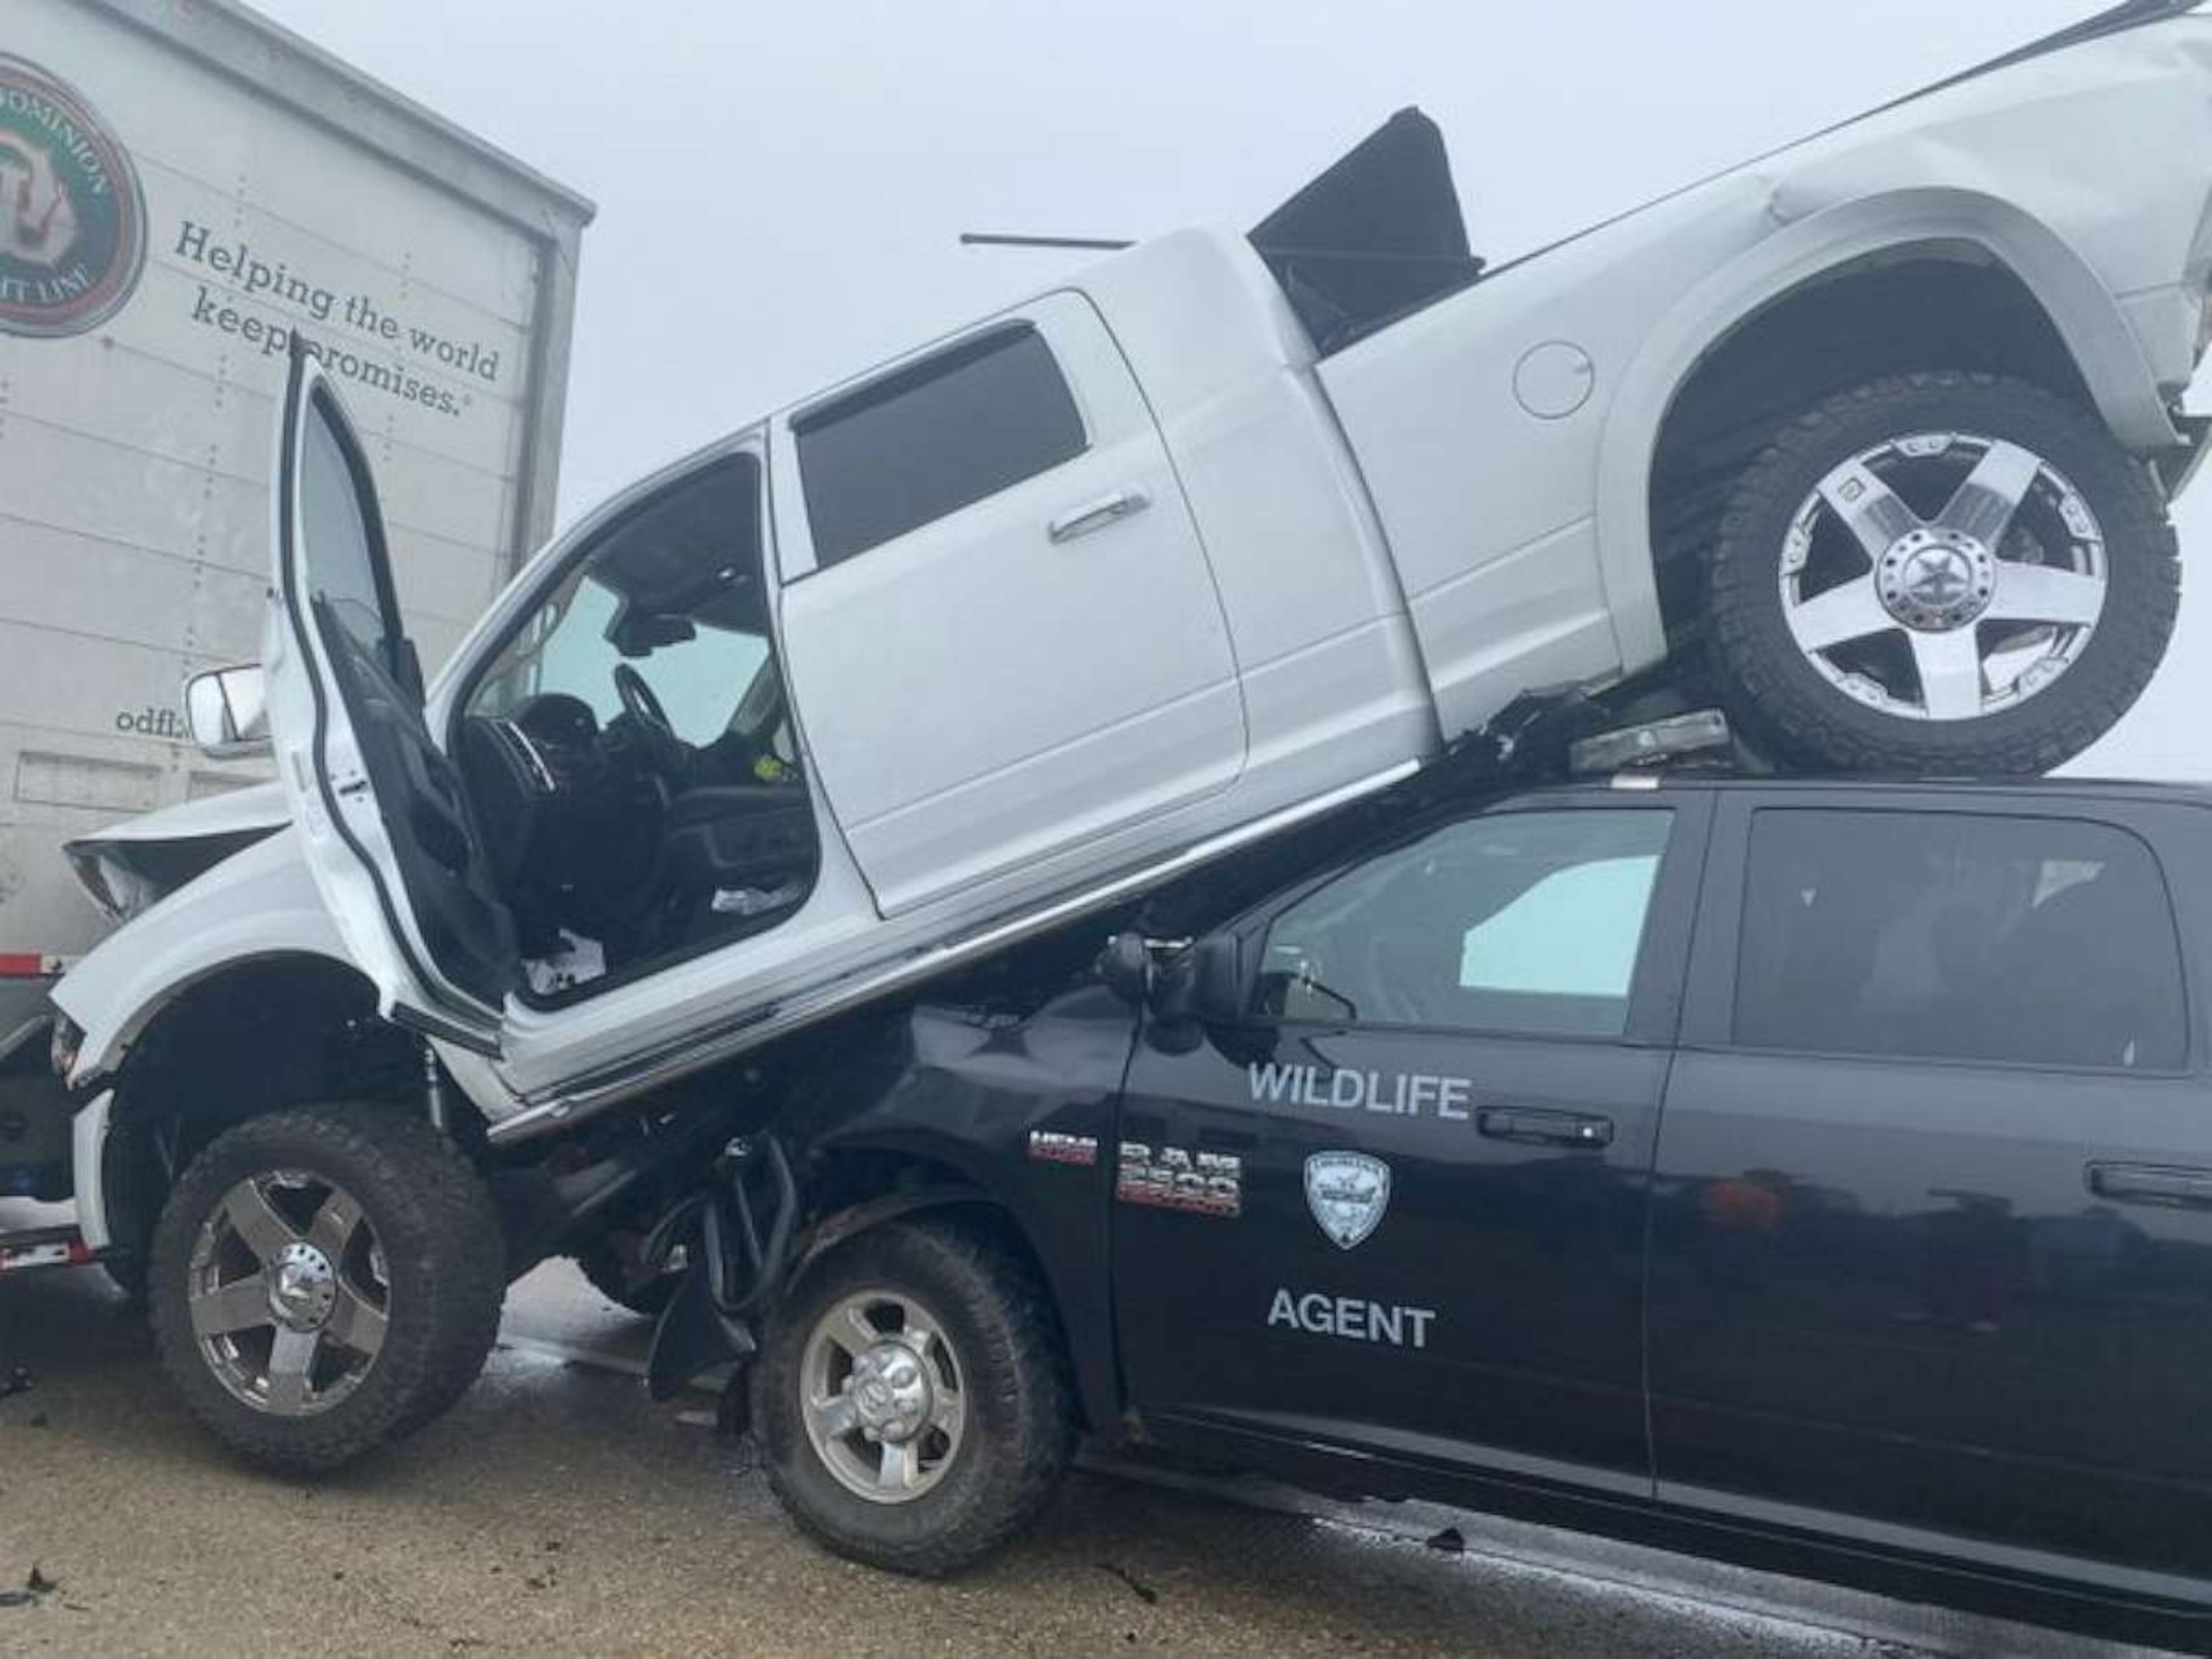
(740, 836)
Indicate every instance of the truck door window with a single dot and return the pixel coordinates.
(629, 752)
(673, 590)
(2036, 941)
(932, 437)
(698, 680)
(348, 592)
(1524, 923)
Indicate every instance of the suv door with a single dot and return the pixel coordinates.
(1002, 631)
(1399, 1209)
(383, 819)
(1932, 1233)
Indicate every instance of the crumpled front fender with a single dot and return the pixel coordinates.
(258, 904)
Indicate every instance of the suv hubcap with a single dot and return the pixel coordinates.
(1944, 576)
(882, 1396)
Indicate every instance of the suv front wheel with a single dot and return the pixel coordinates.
(1945, 572)
(912, 1405)
(324, 1281)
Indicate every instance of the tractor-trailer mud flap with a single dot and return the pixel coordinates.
(35, 1110)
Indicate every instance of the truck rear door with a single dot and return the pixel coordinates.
(1002, 632)
(1932, 1232)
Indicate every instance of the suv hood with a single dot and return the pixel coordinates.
(129, 866)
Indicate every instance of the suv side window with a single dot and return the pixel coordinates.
(1520, 923)
(942, 434)
(1948, 936)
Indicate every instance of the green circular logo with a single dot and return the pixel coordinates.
(72, 221)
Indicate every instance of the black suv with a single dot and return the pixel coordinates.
(1818, 1167)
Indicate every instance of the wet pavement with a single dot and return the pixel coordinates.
(557, 1510)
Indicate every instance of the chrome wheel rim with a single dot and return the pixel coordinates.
(882, 1393)
(288, 1293)
(1944, 576)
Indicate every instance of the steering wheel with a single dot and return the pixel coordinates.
(641, 701)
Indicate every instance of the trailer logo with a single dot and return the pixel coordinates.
(72, 220)
(1348, 1193)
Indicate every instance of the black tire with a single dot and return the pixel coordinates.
(610, 1275)
(442, 1254)
(1020, 1432)
(1779, 698)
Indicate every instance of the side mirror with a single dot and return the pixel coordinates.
(1199, 985)
(228, 712)
(1215, 976)
(1125, 968)
(1203, 983)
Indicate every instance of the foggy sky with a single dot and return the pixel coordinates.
(781, 187)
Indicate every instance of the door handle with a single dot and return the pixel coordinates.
(2142, 1183)
(1527, 1128)
(1097, 516)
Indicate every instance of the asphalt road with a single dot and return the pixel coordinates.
(556, 1511)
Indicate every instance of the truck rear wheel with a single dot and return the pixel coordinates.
(912, 1407)
(324, 1281)
(1944, 572)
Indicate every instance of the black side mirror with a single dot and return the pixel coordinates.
(1216, 977)
(1198, 996)
(1202, 983)
(1124, 968)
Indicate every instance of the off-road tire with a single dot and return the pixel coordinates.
(1781, 701)
(442, 1251)
(603, 1269)
(1022, 1434)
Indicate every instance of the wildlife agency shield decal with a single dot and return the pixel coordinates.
(72, 218)
(1348, 1192)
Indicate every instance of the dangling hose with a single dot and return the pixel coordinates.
(743, 1268)
(767, 1257)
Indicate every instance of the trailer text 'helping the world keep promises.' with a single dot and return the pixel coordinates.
(251, 278)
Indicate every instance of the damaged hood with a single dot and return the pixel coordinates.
(129, 866)
(258, 806)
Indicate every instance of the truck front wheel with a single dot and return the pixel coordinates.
(324, 1281)
(913, 1409)
(1946, 573)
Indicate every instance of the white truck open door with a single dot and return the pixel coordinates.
(383, 820)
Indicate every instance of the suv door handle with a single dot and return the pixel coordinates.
(1527, 1128)
(1097, 516)
(2142, 1183)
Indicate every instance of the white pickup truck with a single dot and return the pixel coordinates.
(1876, 434)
